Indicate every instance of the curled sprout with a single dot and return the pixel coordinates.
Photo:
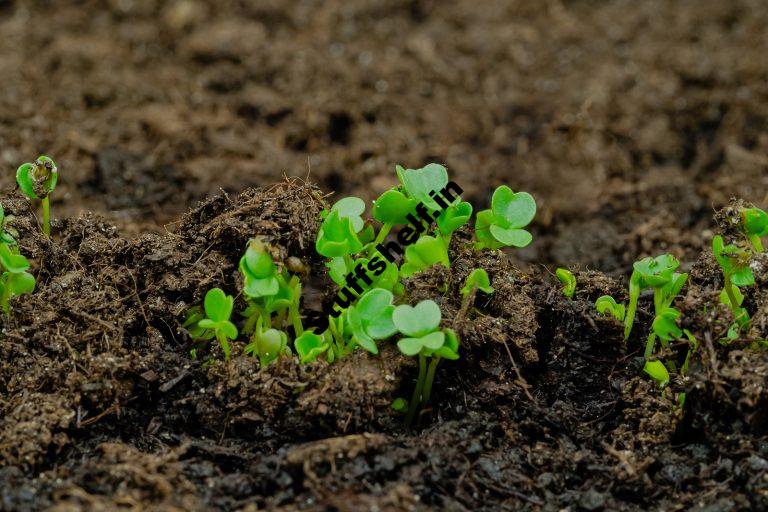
(37, 180)
(568, 280)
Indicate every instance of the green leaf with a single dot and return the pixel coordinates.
(409, 346)
(755, 221)
(20, 283)
(483, 223)
(743, 277)
(400, 404)
(568, 281)
(268, 345)
(309, 346)
(511, 236)
(665, 325)
(376, 309)
(608, 304)
(450, 348)
(418, 183)
(37, 179)
(512, 210)
(14, 263)
(351, 208)
(656, 272)
(228, 329)
(392, 207)
(657, 371)
(453, 217)
(337, 237)
(337, 270)
(427, 251)
(478, 277)
(419, 320)
(724, 299)
(218, 305)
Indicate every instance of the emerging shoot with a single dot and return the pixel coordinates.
(37, 180)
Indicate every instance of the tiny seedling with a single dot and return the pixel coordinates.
(607, 304)
(419, 184)
(755, 226)
(14, 280)
(7, 234)
(310, 345)
(477, 280)
(371, 319)
(426, 252)
(424, 339)
(568, 280)
(734, 262)
(267, 344)
(338, 238)
(37, 180)
(658, 372)
(503, 224)
(218, 309)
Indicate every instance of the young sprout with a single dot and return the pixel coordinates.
(420, 184)
(477, 280)
(14, 280)
(371, 319)
(310, 345)
(392, 209)
(658, 372)
(503, 224)
(267, 344)
(424, 339)
(755, 225)
(427, 251)
(338, 238)
(400, 405)
(37, 180)
(218, 309)
(608, 304)
(6, 236)
(568, 281)
(734, 262)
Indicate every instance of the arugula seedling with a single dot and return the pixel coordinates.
(37, 180)
(371, 319)
(419, 184)
(608, 304)
(734, 262)
(755, 225)
(568, 281)
(424, 339)
(338, 238)
(503, 224)
(267, 344)
(6, 236)
(268, 290)
(477, 280)
(218, 309)
(391, 209)
(658, 372)
(310, 345)
(427, 251)
(15, 280)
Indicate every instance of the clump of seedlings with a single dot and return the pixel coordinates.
(421, 214)
(37, 180)
(734, 262)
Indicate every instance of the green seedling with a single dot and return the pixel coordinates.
(418, 184)
(267, 344)
(424, 339)
(338, 238)
(268, 290)
(310, 345)
(755, 226)
(391, 209)
(37, 180)
(371, 319)
(658, 372)
(400, 405)
(218, 309)
(734, 262)
(426, 252)
(607, 304)
(568, 280)
(7, 233)
(14, 280)
(477, 280)
(503, 224)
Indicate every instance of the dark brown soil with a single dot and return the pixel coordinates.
(174, 123)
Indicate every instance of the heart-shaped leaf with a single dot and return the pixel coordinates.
(517, 209)
(419, 320)
(218, 305)
(309, 346)
(418, 183)
(351, 208)
(13, 263)
(454, 217)
(392, 207)
(511, 236)
(427, 251)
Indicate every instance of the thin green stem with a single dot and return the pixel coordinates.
(380, 237)
(294, 310)
(417, 391)
(430, 378)
(634, 296)
(224, 342)
(757, 243)
(46, 217)
(348, 262)
(650, 345)
(729, 292)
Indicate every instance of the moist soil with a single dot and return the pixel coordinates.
(184, 128)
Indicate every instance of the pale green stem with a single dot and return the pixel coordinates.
(430, 378)
(417, 391)
(757, 243)
(348, 262)
(224, 342)
(46, 217)
(634, 296)
(650, 345)
(380, 237)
